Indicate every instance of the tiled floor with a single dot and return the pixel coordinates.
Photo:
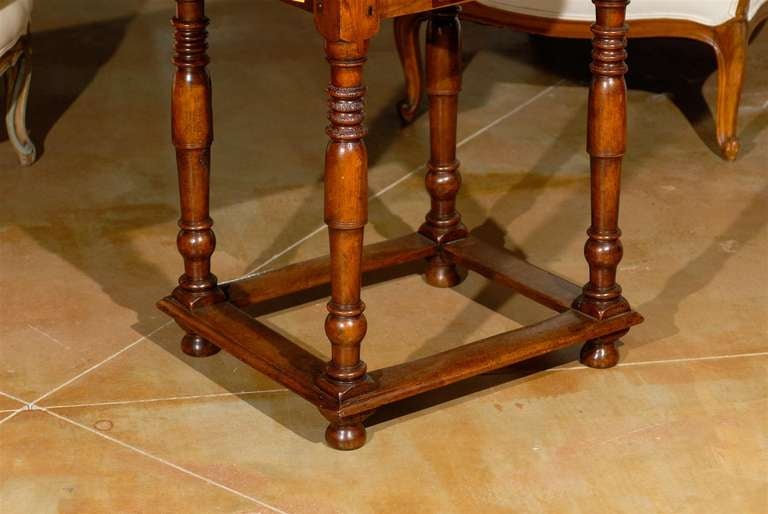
(100, 411)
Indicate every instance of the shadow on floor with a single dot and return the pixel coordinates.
(61, 76)
(65, 62)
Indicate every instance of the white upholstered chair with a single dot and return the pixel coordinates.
(15, 69)
(725, 25)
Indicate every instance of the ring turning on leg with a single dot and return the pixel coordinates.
(601, 297)
(443, 222)
(192, 136)
(346, 213)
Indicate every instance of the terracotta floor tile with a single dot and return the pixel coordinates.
(8, 405)
(694, 265)
(397, 332)
(87, 247)
(680, 437)
(86, 268)
(51, 466)
(60, 321)
(155, 369)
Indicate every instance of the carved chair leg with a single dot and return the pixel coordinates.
(601, 297)
(408, 48)
(346, 213)
(730, 44)
(192, 137)
(443, 222)
(17, 82)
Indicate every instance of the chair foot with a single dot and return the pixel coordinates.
(601, 353)
(27, 155)
(730, 149)
(17, 85)
(407, 40)
(730, 44)
(442, 273)
(407, 111)
(196, 346)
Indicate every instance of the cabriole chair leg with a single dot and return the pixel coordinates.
(17, 83)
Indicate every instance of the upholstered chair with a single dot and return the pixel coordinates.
(15, 69)
(725, 25)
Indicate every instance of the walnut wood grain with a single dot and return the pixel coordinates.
(346, 214)
(345, 393)
(606, 144)
(601, 297)
(408, 48)
(405, 380)
(729, 41)
(296, 368)
(317, 272)
(443, 223)
(394, 8)
(192, 132)
(346, 209)
(504, 267)
(255, 344)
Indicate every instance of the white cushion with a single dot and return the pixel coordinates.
(14, 20)
(707, 12)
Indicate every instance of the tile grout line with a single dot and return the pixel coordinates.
(514, 111)
(33, 406)
(253, 272)
(267, 391)
(48, 336)
(33, 403)
(163, 399)
(162, 461)
(518, 108)
(671, 361)
(16, 398)
(14, 412)
(405, 177)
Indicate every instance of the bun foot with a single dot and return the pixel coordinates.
(730, 149)
(196, 346)
(442, 273)
(599, 354)
(342, 436)
(345, 433)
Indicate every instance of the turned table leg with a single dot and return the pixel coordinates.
(601, 297)
(192, 137)
(443, 222)
(346, 213)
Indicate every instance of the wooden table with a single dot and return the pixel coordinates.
(345, 392)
